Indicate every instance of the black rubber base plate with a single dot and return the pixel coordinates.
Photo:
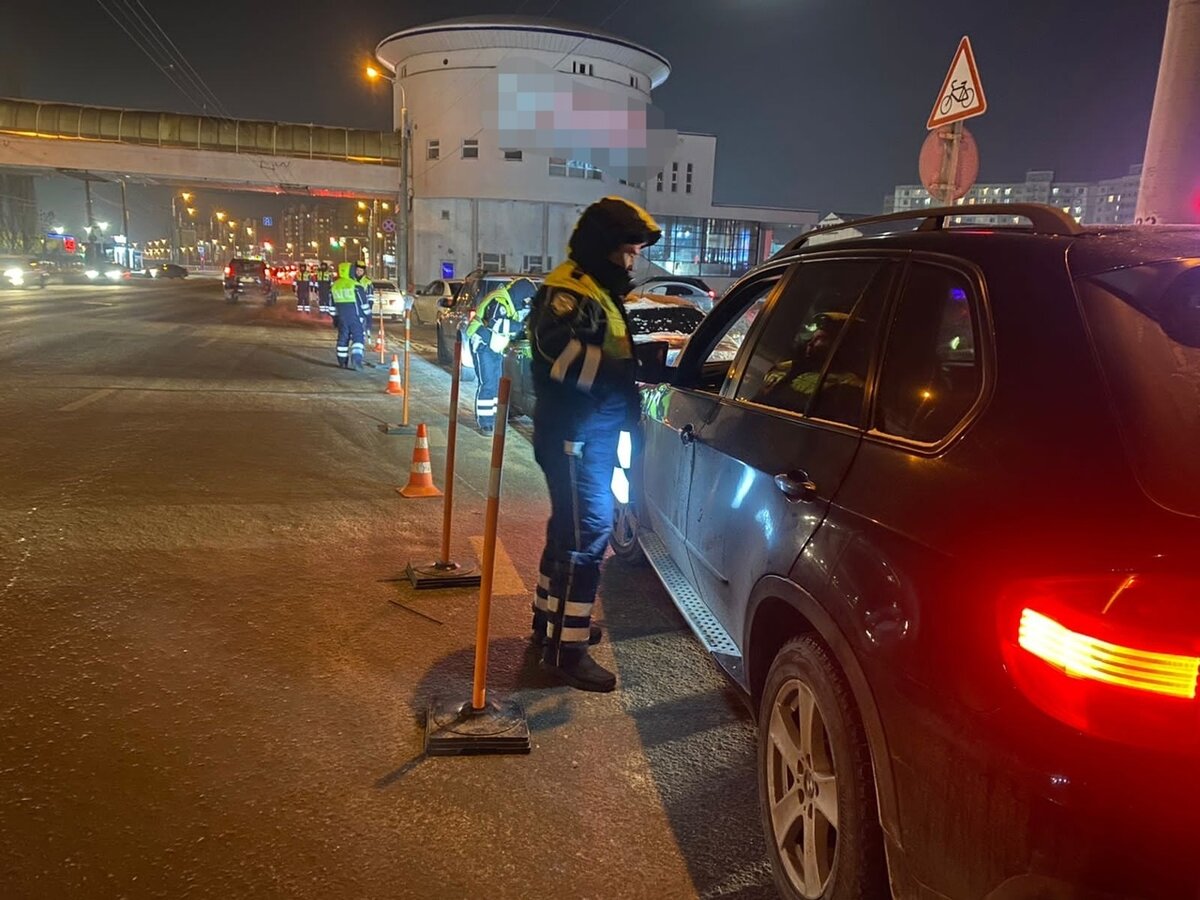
(457, 729)
(437, 576)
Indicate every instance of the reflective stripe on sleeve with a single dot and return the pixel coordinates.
(558, 371)
(591, 366)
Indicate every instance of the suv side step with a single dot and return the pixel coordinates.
(711, 633)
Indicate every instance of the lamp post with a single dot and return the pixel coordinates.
(403, 263)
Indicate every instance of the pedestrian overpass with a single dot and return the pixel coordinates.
(172, 148)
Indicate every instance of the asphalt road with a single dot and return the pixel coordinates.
(212, 683)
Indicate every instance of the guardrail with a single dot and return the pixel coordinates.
(68, 121)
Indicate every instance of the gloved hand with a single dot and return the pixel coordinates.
(498, 342)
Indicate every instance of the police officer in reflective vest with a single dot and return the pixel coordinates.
(349, 320)
(583, 372)
(325, 288)
(497, 318)
(302, 291)
(365, 294)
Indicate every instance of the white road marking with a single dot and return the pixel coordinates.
(84, 401)
(505, 580)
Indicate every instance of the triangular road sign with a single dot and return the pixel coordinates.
(961, 96)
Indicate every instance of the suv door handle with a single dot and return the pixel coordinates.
(687, 434)
(796, 485)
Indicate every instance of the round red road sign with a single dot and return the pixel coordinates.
(936, 149)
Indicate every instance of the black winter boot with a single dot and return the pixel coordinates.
(579, 671)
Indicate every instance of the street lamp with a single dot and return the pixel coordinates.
(403, 263)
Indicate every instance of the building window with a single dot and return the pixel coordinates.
(536, 265)
(558, 166)
(633, 82)
(433, 149)
(491, 262)
(513, 155)
(674, 177)
(688, 183)
(445, 215)
(470, 148)
(582, 68)
(658, 182)
(577, 169)
(637, 185)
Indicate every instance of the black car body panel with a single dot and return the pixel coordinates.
(904, 552)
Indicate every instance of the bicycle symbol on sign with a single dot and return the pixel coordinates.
(960, 93)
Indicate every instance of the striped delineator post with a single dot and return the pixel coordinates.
(420, 478)
(445, 572)
(481, 725)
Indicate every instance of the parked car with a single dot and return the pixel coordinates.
(23, 272)
(454, 318)
(242, 274)
(390, 301)
(661, 318)
(702, 298)
(937, 516)
(436, 295)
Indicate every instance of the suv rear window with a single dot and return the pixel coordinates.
(248, 268)
(1145, 326)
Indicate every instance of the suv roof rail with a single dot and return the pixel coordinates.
(1045, 220)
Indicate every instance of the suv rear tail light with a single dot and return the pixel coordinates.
(1116, 656)
(228, 271)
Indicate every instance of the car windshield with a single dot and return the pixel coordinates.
(661, 316)
(1145, 325)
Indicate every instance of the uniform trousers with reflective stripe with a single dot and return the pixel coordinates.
(325, 295)
(488, 364)
(302, 296)
(578, 463)
(349, 335)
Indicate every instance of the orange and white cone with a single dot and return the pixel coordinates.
(394, 386)
(420, 478)
(379, 342)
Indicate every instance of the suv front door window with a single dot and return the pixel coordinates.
(765, 470)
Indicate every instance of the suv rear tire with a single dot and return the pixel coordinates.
(815, 781)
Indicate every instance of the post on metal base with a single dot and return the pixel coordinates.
(482, 725)
(445, 572)
(403, 427)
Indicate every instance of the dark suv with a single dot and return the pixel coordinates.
(455, 318)
(932, 500)
(241, 274)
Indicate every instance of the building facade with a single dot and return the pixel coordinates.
(477, 202)
(1108, 202)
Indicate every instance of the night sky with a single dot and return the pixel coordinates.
(816, 103)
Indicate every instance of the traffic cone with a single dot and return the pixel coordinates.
(394, 386)
(420, 478)
(379, 342)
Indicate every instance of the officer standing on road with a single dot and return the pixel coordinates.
(349, 321)
(583, 372)
(302, 291)
(365, 292)
(325, 288)
(497, 318)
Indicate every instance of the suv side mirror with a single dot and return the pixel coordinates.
(651, 359)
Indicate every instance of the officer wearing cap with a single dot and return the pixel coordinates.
(583, 373)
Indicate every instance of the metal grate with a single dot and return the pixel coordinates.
(711, 633)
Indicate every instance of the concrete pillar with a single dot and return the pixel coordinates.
(1170, 188)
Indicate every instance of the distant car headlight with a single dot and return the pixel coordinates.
(92, 274)
(15, 276)
(113, 274)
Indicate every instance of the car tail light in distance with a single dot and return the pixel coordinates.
(1116, 656)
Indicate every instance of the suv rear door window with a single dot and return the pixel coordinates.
(828, 304)
(1144, 322)
(931, 374)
